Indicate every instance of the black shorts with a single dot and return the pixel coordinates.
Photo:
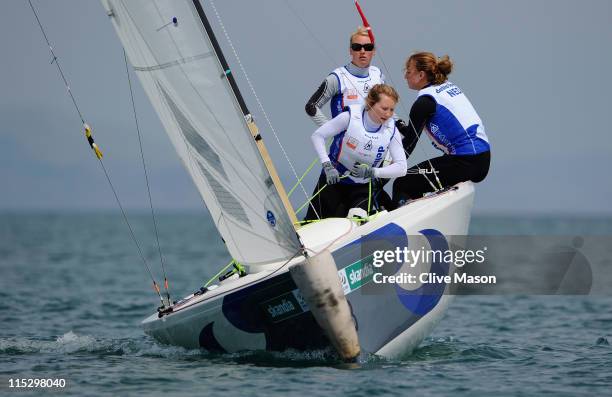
(336, 200)
(450, 170)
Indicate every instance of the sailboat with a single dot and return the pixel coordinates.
(175, 53)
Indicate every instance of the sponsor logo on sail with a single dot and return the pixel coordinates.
(271, 218)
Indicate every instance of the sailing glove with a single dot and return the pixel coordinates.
(401, 125)
(360, 170)
(331, 173)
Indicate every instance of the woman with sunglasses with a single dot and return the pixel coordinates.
(349, 84)
(451, 123)
(362, 136)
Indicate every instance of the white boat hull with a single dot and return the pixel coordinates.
(264, 310)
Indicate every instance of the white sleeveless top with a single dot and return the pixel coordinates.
(353, 89)
(359, 145)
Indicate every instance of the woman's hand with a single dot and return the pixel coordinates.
(331, 173)
(360, 170)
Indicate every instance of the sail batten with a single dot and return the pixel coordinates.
(173, 63)
(204, 116)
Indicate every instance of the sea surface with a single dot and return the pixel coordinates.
(74, 290)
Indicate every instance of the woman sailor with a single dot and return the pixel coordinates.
(452, 124)
(362, 136)
(348, 84)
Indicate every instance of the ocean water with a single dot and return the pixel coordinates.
(75, 290)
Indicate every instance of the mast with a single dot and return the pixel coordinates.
(248, 118)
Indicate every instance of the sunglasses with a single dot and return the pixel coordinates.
(358, 47)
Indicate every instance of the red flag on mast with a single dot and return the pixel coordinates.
(365, 21)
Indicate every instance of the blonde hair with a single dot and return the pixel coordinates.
(361, 31)
(378, 90)
(436, 69)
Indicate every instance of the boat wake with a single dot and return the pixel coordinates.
(434, 350)
(73, 343)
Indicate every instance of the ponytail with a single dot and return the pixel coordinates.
(436, 69)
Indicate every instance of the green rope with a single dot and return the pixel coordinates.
(302, 177)
(307, 221)
(310, 199)
(350, 219)
(369, 196)
(315, 195)
(220, 272)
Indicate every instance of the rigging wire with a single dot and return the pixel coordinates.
(259, 103)
(56, 61)
(144, 167)
(98, 153)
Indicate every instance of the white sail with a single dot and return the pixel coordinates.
(177, 65)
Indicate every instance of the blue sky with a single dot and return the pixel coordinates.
(536, 71)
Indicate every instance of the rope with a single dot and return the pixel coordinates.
(302, 177)
(63, 76)
(220, 272)
(144, 167)
(311, 198)
(324, 186)
(369, 196)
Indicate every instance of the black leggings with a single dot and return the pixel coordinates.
(451, 169)
(336, 200)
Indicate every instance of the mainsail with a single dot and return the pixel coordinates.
(208, 123)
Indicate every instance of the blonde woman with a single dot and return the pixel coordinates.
(362, 136)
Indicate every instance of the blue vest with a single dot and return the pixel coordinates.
(455, 128)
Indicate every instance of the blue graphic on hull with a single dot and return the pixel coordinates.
(247, 309)
(421, 300)
(208, 340)
(392, 236)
